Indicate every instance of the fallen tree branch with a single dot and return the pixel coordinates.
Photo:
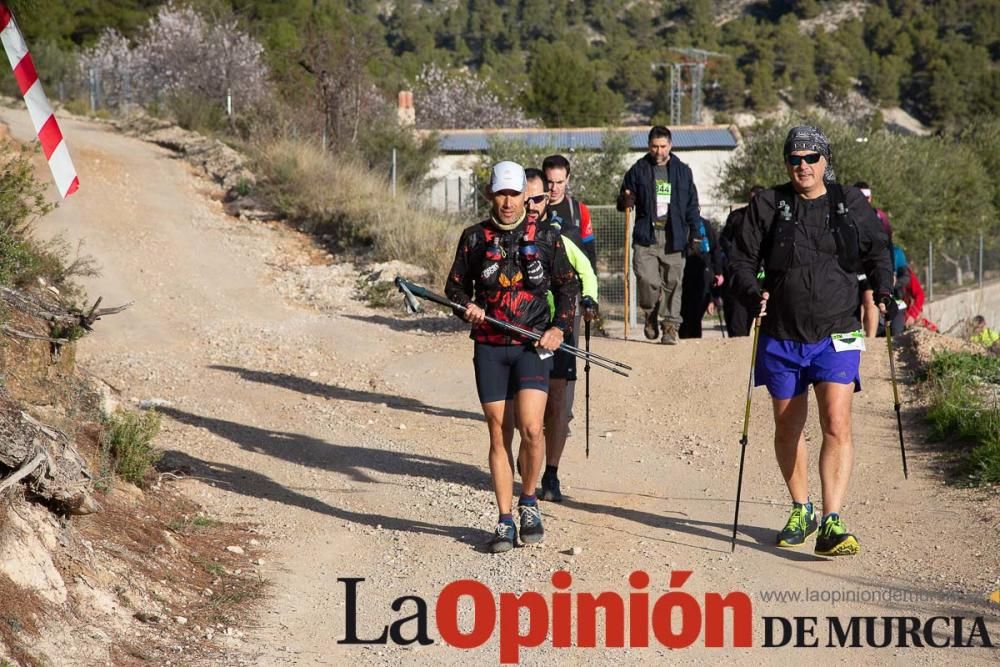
(30, 336)
(63, 477)
(23, 471)
(55, 315)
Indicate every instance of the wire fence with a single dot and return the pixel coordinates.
(966, 264)
(611, 239)
(454, 194)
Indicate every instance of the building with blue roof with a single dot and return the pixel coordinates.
(706, 148)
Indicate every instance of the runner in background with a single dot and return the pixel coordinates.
(568, 213)
(563, 376)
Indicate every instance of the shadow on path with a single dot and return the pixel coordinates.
(257, 485)
(761, 539)
(429, 324)
(332, 392)
(351, 460)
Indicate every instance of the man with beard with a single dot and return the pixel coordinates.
(564, 367)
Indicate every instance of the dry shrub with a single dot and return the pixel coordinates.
(327, 195)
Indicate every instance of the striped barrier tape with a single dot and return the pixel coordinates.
(42, 116)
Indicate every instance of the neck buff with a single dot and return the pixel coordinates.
(506, 228)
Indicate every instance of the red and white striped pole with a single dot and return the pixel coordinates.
(44, 120)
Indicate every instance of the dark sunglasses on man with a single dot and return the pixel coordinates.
(796, 160)
(538, 199)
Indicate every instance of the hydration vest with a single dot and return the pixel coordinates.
(781, 237)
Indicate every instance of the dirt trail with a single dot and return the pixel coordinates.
(352, 437)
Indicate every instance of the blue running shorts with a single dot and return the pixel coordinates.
(788, 367)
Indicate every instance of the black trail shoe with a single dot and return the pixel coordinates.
(550, 489)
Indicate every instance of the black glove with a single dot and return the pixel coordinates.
(891, 307)
(590, 310)
(694, 245)
(626, 200)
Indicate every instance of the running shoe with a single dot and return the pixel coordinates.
(801, 524)
(834, 540)
(531, 524)
(550, 489)
(503, 537)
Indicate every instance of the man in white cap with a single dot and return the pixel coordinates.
(504, 267)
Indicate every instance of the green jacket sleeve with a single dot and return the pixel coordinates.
(581, 263)
(584, 270)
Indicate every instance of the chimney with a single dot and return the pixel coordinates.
(407, 114)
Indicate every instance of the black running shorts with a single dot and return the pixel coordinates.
(504, 370)
(564, 363)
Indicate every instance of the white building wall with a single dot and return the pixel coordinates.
(451, 173)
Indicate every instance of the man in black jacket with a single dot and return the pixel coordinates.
(814, 237)
(662, 190)
(702, 275)
(735, 311)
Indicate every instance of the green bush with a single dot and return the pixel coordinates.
(128, 444)
(963, 390)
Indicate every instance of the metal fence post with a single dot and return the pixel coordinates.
(930, 270)
(93, 90)
(394, 174)
(980, 261)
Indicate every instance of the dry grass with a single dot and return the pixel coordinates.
(18, 613)
(325, 195)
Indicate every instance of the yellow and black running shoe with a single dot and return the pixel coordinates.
(801, 524)
(834, 540)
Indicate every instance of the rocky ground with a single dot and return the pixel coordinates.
(351, 441)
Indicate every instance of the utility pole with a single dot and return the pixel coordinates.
(694, 65)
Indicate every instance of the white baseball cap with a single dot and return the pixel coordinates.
(507, 175)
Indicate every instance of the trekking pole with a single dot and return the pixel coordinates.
(722, 323)
(895, 398)
(586, 373)
(412, 290)
(746, 428)
(628, 243)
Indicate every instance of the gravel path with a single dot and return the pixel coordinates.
(353, 438)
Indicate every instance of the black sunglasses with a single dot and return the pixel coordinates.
(538, 199)
(796, 160)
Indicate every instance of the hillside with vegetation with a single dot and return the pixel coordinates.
(308, 91)
(559, 62)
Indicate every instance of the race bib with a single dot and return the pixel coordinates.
(855, 340)
(662, 198)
